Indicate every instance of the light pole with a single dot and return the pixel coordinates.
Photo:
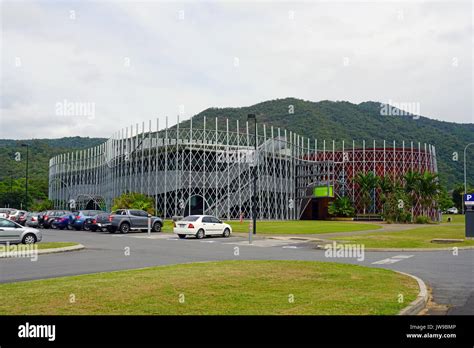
(465, 181)
(254, 196)
(26, 184)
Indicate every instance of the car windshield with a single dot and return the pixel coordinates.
(190, 218)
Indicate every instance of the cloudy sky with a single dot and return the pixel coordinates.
(91, 68)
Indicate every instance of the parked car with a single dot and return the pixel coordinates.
(61, 222)
(201, 226)
(126, 220)
(22, 218)
(452, 210)
(79, 217)
(100, 222)
(47, 217)
(5, 212)
(12, 232)
(15, 214)
(32, 219)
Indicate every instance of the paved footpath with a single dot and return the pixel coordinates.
(451, 277)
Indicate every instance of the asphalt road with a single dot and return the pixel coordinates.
(450, 276)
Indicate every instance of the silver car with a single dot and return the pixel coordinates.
(32, 219)
(15, 233)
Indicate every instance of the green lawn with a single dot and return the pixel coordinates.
(225, 287)
(294, 227)
(414, 238)
(303, 226)
(50, 245)
(456, 219)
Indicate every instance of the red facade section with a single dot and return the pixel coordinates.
(394, 162)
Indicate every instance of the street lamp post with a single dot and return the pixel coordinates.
(465, 180)
(26, 183)
(254, 172)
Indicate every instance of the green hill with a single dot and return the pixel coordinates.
(12, 173)
(324, 120)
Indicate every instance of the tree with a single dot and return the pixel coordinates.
(42, 205)
(445, 200)
(411, 187)
(342, 207)
(386, 187)
(428, 190)
(395, 207)
(134, 200)
(367, 183)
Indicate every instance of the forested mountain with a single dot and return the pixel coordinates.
(324, 120)
(12, 172)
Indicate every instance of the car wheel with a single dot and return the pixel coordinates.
(182, 236)
(226, 233)
(156, 227)
(29, 238)
(124, 227)
(200, 234)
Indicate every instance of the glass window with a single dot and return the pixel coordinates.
(206, 219)
(6, 223)
(215, 220)
(190, 218)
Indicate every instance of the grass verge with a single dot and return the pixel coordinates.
(224, 287)
(455, 218)
(50, 245)
(414, 238)
(302, 226)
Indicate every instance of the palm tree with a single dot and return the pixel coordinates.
(412, 187)
(428, 189)
(367, 182)
(387, 187)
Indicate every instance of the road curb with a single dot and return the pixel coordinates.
(419, 249)
(44, 251)
(421, 300)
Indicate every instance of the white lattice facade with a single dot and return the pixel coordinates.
(209, 169)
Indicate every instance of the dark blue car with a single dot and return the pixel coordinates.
(61, 222)
(77, 219)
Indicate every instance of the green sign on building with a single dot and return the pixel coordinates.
(323, 191)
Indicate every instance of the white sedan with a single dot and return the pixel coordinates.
(201, 226)
(452, 210)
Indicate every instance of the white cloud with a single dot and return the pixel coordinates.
(399, 51)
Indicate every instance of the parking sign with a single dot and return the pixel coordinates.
(469, 199)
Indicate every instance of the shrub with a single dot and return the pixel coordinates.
(341, 207)
(422, 220)
(134, 200)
